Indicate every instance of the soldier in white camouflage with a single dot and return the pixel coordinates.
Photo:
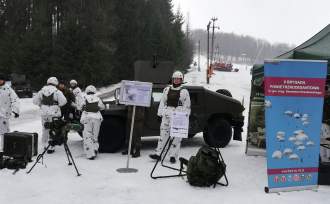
(91, 118)
(76, 91)
(9, 104)
(175, 98)
(50, 100)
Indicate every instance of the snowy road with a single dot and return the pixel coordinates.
(55, 182)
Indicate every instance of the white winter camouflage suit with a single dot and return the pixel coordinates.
(9, 102)
(78, 96)
(165, 112)
(92, 122)
(49, 111)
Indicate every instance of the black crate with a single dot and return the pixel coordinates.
(21, 144)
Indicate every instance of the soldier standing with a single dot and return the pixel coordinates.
(50, 100)
(76, 90)
(91, 118)
(137, 130)
(68, 110)
(9, 103)
(175, 98)
(78, 94)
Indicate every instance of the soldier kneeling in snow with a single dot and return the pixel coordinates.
(91, 118)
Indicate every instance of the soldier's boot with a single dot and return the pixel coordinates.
(154, 156)
(125, 152)
(51, 150)
(92, 158)
(172, 160)
(136, 152)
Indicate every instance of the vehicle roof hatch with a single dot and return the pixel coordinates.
(148, 71)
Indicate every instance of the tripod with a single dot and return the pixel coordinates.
(68, 154)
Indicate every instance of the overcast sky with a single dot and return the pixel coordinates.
(288, 21)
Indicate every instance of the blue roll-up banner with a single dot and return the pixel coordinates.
(294, 91)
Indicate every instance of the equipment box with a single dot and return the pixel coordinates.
(21, 144)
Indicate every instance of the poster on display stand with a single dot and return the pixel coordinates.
(135, 93)
(179, 124)
(294, 91)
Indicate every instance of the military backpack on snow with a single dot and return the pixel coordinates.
(205, 169)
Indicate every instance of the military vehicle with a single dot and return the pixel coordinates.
(216, 114)
(21, 85)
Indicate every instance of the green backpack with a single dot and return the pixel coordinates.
(205, 169)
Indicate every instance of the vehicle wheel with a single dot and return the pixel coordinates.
(218, 133)
(30, 95)
(224, 92)
(112, 134)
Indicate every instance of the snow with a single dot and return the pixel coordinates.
(56, 182)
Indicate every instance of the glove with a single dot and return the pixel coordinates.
(16, 115)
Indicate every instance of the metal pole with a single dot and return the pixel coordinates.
(212, 40)
(212, 46)
(130, 137)
(199, 55)
(127, 169)
(208, 53)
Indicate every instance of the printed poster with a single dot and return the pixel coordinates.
(179, 124)
(135, 93)
(294, 91)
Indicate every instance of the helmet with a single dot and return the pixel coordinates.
(178, 75)
(53, 81)
(90, 89)
(73, 82)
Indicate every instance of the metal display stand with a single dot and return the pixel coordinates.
(134, 93)
(162, 155)
(127, 169)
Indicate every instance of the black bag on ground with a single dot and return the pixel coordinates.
(205, 169)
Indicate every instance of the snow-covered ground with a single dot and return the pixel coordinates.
(56, 182)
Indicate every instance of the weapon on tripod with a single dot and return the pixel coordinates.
(58, 134)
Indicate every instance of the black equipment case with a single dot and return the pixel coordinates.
(21, 145)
